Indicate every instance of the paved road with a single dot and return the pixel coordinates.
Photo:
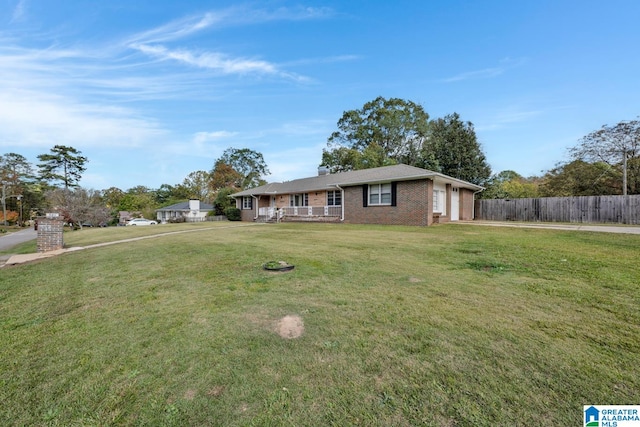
(9, 240)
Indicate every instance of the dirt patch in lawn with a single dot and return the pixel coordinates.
(290, 327)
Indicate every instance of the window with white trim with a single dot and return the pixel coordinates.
(438, 201)
(334, 198)
(247, 202)
(301, 199)
(380, 194)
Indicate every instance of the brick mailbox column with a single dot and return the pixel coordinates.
(50, 234)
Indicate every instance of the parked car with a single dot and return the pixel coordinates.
(141, 221)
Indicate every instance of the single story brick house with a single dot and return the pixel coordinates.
(191, 211)
(397, 195)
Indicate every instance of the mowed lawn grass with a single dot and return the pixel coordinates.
(451, 325)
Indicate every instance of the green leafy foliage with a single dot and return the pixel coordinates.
(455, 151)
(510, 185)
(390, 131)
(246, 169)
(384, 131)
(233, 214)
(223, 201)
(617, 146)
(64, 164)
(580, 178)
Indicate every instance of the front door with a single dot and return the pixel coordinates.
(455, 204)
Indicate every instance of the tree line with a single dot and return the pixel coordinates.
(390, 131)
(53, 185)
(382, 132)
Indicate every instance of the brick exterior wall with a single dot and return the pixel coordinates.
(50, 232)
(414, 205)
(466, 204)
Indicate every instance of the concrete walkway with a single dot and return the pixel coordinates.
(21, 259)
(620, 229)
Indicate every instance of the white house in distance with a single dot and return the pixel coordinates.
(191, 211)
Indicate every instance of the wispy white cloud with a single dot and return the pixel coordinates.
(323, 60)
(508, 116)
(203, 137)
(245, 15)
(233, 16)
(477, 74)
(201, 145)
(211, 60)
(87, 94)
(19, 11)
(154, 42)
(307, 159)
(35, 119)
(177, 29)
(486, 73)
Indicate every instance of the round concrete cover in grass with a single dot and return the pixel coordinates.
(290, 327)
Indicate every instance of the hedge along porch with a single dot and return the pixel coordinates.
(398, 195)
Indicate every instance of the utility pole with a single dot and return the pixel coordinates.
(4, 205)
(20, 219)
(624, 172)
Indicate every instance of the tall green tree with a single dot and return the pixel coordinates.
(224, 175)
(16, 173)
(111, 198)
(64, 164)
(384, 131)
(509, 184)
(249, 165)
(15, 170)
(580, 178)
(619, 147)
(139, 201)
(453, 149)
(197, 185)
(223, 200)
(343, 159)
(165, 194)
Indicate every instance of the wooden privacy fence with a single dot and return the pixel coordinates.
(586, 209)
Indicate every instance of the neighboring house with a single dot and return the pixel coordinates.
(123, 217)
(191, 211)
(399, 194)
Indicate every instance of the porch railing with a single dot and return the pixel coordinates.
(300, 211)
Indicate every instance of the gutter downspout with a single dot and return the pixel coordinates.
(341, 202)
(473, 205)
(257, 209)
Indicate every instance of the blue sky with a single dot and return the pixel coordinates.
(150, 91)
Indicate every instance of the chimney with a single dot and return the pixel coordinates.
(194, 205)
(323, 170)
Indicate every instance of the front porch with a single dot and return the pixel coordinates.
(300, 213)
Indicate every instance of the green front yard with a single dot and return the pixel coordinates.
(447, 325)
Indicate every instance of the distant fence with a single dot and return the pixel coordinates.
(216, 218)
(585, 209)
